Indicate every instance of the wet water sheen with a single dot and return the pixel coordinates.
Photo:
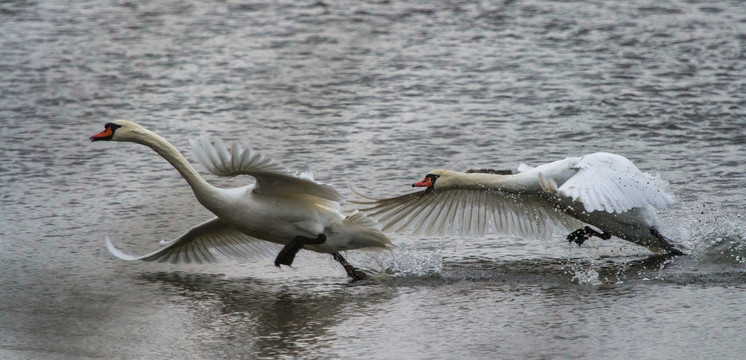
(373, 94)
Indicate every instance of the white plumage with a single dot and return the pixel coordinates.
(603, 190)
(611, 183)
(200, 244)
(280, 208)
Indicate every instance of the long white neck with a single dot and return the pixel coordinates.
(201, 188)
(523, 182)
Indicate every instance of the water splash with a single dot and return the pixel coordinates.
(716, 238)
(616, 270)
(723, 245)
(401, 263)
(584, 274)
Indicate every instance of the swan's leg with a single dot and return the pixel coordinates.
(287, 254)
(581, 235)
(666, 245)
(353, 272)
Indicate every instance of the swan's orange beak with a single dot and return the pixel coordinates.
(104, 135)
(426, 182)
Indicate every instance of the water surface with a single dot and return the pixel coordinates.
(373, 94)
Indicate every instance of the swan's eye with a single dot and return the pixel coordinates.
(112, 126)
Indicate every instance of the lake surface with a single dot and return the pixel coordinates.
(372, 94)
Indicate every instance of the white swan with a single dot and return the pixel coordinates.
(603, 190)
(280, 208)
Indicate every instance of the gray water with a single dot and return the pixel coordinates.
(372, 94)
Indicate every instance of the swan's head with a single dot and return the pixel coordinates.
(120, 130)
(438, 176)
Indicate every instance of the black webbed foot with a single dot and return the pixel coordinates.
(578, 236)
(581, 235)
(287, 254)
(353, 272)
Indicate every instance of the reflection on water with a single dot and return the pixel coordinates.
(259, 319)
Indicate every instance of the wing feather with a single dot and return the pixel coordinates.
(448, 211)
(420, 211)
(611, 183)
(403, 217)
(497, 221)
(467, 212)
(201, 243)
(393, 217)
(271, 177)
(427, 217)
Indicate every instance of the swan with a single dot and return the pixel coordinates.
(603, 190)
(280, 208)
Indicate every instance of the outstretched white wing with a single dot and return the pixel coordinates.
(611, 183)
(271, 177)
(467, 212)
(202, 242)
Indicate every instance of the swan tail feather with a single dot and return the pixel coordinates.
(365, 232)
